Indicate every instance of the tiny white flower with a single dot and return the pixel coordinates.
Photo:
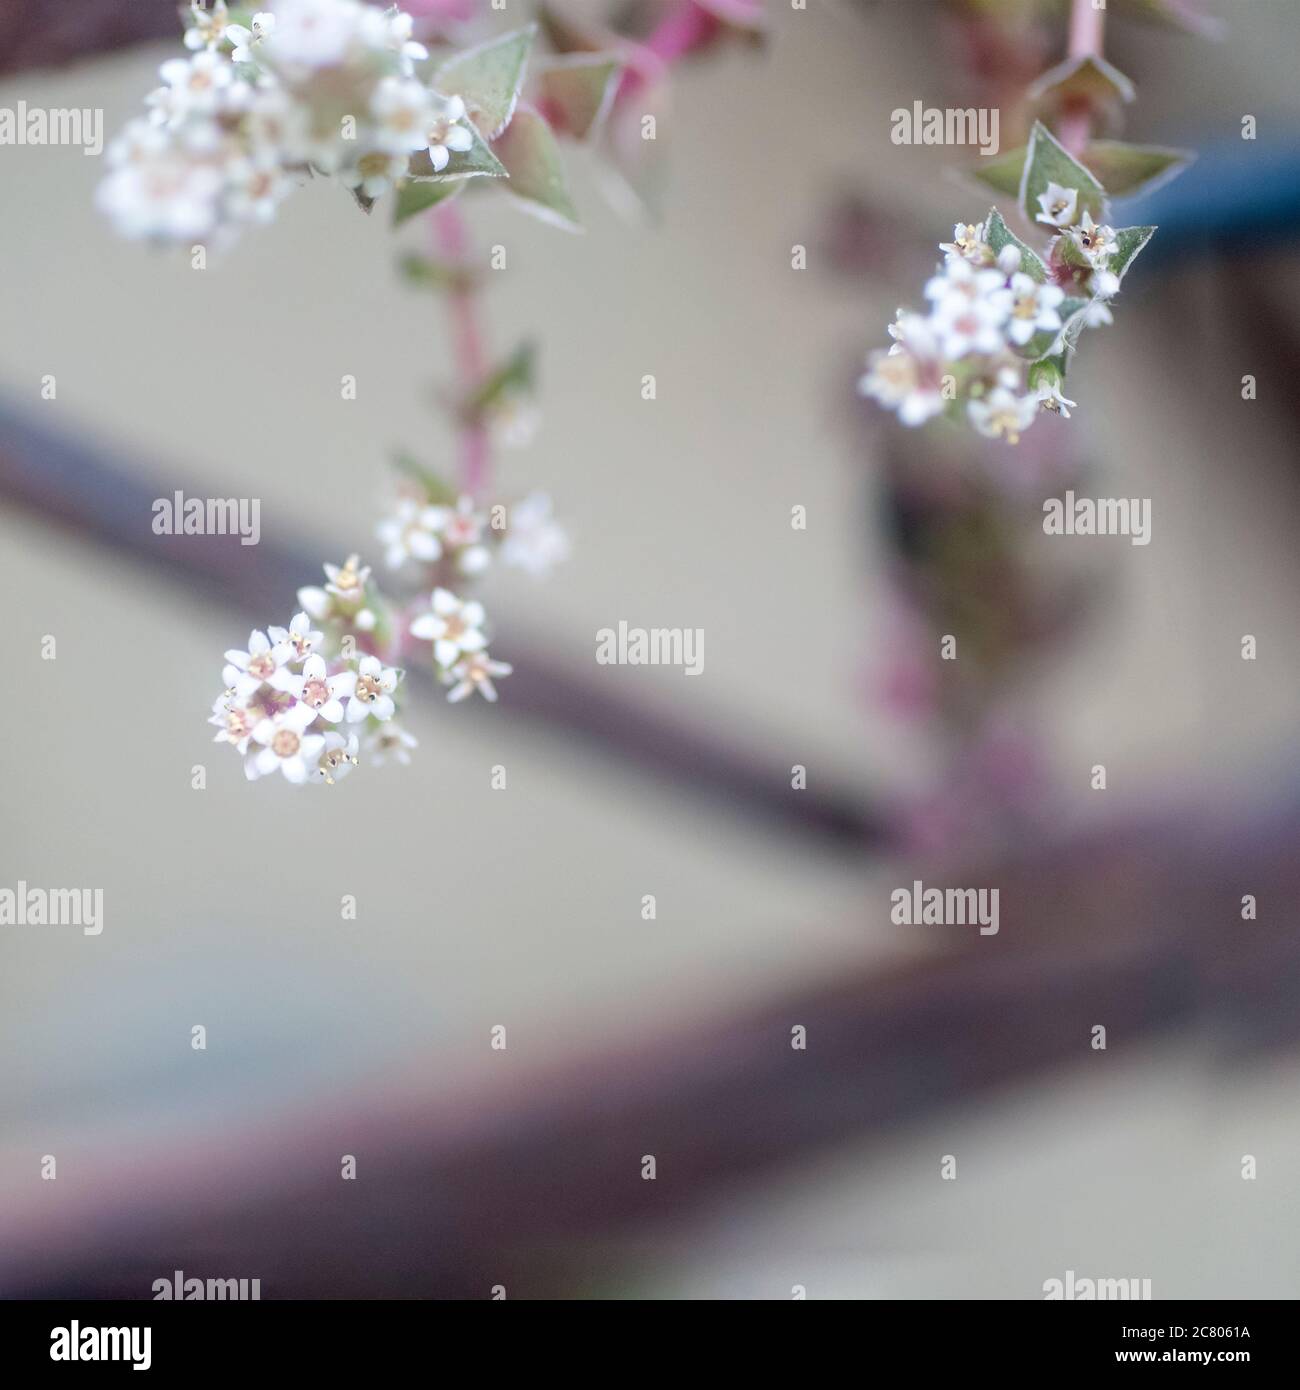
(245, 671)
(401, 107)
(1009, 259)
(347, 582)
(376, 172)
(235, 723)
(967, 244)
(390, 30)
(1003, 412)
(373, 692)
(461, 530)
(909, 377)
(411, 533)
(255, 187)
(444, 134)
(243, 39)
(208, 27)
(322, 694)
(300, 636)
(337, 758)
(475, 672)
(194, 85)
(390, 742)
(1033, 308)
(1096, 242)
(314, 33)
(1051, 398)
(285, 745)
(454, 627)
(1059, 206)
(316, 602)
(534, 541)
(1097, 314)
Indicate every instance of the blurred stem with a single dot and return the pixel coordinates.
(451, 241)
(1087, 36)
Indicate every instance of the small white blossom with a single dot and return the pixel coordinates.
(402, 112)
(245, 671)
(192, 86)
(444, 134)
(243, 39)
(475, 673)
(454, 627)
(1051, 398)
(337, 758)
(321, 693)
(376, 172)
(461, 529)
(1003, 412)
(1059, 206)
(1096, 242)
(970, 308)
(285, 746)
(312, 34)
(391, 30)
(534, 541)
(1033, 308)
(909, 377)
(208, 27)
(373, 692)
(235, 723)
(347, 582)
(390, 742)
(301, 638)
(411, 533)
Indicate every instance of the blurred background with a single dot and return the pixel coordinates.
(776, 1167)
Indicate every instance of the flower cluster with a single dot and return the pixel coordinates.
(1004, 321)
(286, 708)
(325, 86)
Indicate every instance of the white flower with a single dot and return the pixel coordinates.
(909, 377)
(411, 533)
(313, 33)
(1096, 242)
(322, 694)
(194, 85)
(462, 530)
(391, 30)
(454, 627)
(1033, 308)
(1059, 205)
(390, 741)
(1003, 412)
(376, 172)
(255, 187)
(235, 723)
(208, 27)
(475, 673)
(338, 757)
(316, 602)
(373, 692)
(1009, 259)
(299, 635)
(401, 108)
(158, 191)
(971, 307)
(285, 746)
(534, 541)
(347, 582)
(443, 134)
(1097, 315)
(968, 244)
(1051, 398)
(278, 124)
(244, 39)
(245, 671)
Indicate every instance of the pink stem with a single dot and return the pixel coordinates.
(452, 242)
(1087, 31)
(686, 27)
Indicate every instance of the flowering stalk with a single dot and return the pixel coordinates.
(450, 241)
(1087, 30)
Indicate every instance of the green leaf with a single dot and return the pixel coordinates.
(1002, 172)
(1129, 241)
(1089, 79)
(515, 376)
(531, 155)
(418, 195)
(440, 493)
(1126, 170)
(1047, 161)
(1048, 371)
(575, 92)
(488, 79)
(998, 235)
(434, 275)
